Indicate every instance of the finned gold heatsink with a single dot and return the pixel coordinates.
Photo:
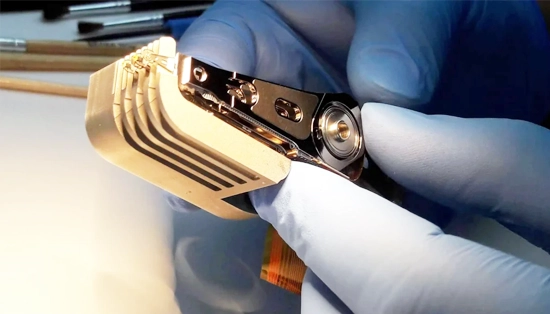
(138, 119)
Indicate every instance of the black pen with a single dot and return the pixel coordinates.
(54, 12)
(174, 28)
(144, 21)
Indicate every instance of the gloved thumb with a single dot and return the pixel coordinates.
(398, 49)
(493, 167)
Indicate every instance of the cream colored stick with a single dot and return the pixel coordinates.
(14, 61)
(74, 48)
(43, 87)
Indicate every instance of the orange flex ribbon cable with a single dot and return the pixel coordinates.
(281, 266)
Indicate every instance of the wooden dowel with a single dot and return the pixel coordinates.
(14, 61)
(43, 87)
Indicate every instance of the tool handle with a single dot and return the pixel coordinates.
(148, 5)
(190, 11)
(41, 62)
(43, 87)
(80, 48)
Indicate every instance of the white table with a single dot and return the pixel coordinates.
(78, 235)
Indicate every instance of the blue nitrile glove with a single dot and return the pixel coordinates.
(377, 257)
(179, 26)
(466, 59)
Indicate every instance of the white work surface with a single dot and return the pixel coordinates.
(79, 235)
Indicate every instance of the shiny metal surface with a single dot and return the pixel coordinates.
(154, 20)
(340, 131)
(288, 110)
(114, 7)
(305, 103)
(285, 119)
(13, 45)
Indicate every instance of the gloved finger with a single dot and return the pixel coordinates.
(318, 298)
(495, 167)
(180, 26)
(399, 48)
(249, 37)
(214, 32)
(328, 27)
(379, 258)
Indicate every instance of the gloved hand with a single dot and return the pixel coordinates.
(481, 59)
(377, 257)
(460, 58)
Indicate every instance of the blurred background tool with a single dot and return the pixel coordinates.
(15, 61)
(174, 28)
(55, 11)
(59, 47)
(85, 27)
(34, 86)
(26, 6)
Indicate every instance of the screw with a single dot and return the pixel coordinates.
(200, 74)
(343, 131)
